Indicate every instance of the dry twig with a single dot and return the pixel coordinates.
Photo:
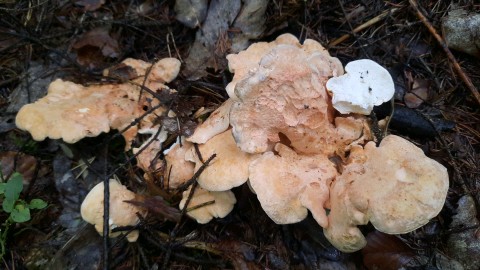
(363, 26)
(444, 46)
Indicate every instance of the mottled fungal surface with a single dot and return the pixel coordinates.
(72, 111)
(288, 185)
(277, 100)
(394, 186)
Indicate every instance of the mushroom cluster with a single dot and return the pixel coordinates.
(295, 128)
(72, 111)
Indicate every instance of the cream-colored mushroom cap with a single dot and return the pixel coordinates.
(72, 111)
(216, 123)
(178, 170)
(288, 184)
(222, 206)
(147, 154)
(228, 169)
(121, 213)
(394, 186)
(165, 70)
(364, 85)
(246, 61)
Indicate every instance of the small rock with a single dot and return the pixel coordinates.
(464, 246)
(191, 13)
(461, 30)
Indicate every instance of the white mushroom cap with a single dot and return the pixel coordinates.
(394, 186)
(364, 85)
(120, 214)
(288, 184)
(224, 202)
(228, 169)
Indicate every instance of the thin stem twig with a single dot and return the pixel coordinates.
(106, 212)
(447, 51)
(363, 26)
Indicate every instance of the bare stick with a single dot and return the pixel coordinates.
(444, 46)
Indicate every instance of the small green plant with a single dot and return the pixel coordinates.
(18, 209)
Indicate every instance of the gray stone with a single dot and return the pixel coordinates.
(461, 31)
(191, 13)
(463, 244)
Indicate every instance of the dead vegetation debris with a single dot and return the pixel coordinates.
(41, 40)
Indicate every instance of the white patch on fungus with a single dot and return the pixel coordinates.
(83, 110)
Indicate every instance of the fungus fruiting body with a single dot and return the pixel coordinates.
(287, 184)
(277, 101)
(394, 186)
(206, 205)
(121, 213)
(72, 111)
(300, 136)
(312, 146)
(228, 169)
(364, 85)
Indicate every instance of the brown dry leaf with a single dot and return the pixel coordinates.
(159, 207)
(418, 93)
(90, 5)
(94, 46)
(387, 252)
(18, 162)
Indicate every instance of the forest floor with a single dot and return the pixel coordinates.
(75, 40)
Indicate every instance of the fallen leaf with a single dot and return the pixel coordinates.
(387, 252)
(18, 162)
(94, 46)
(418, 94)
(160, 207)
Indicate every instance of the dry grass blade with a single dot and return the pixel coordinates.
(363, 26)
